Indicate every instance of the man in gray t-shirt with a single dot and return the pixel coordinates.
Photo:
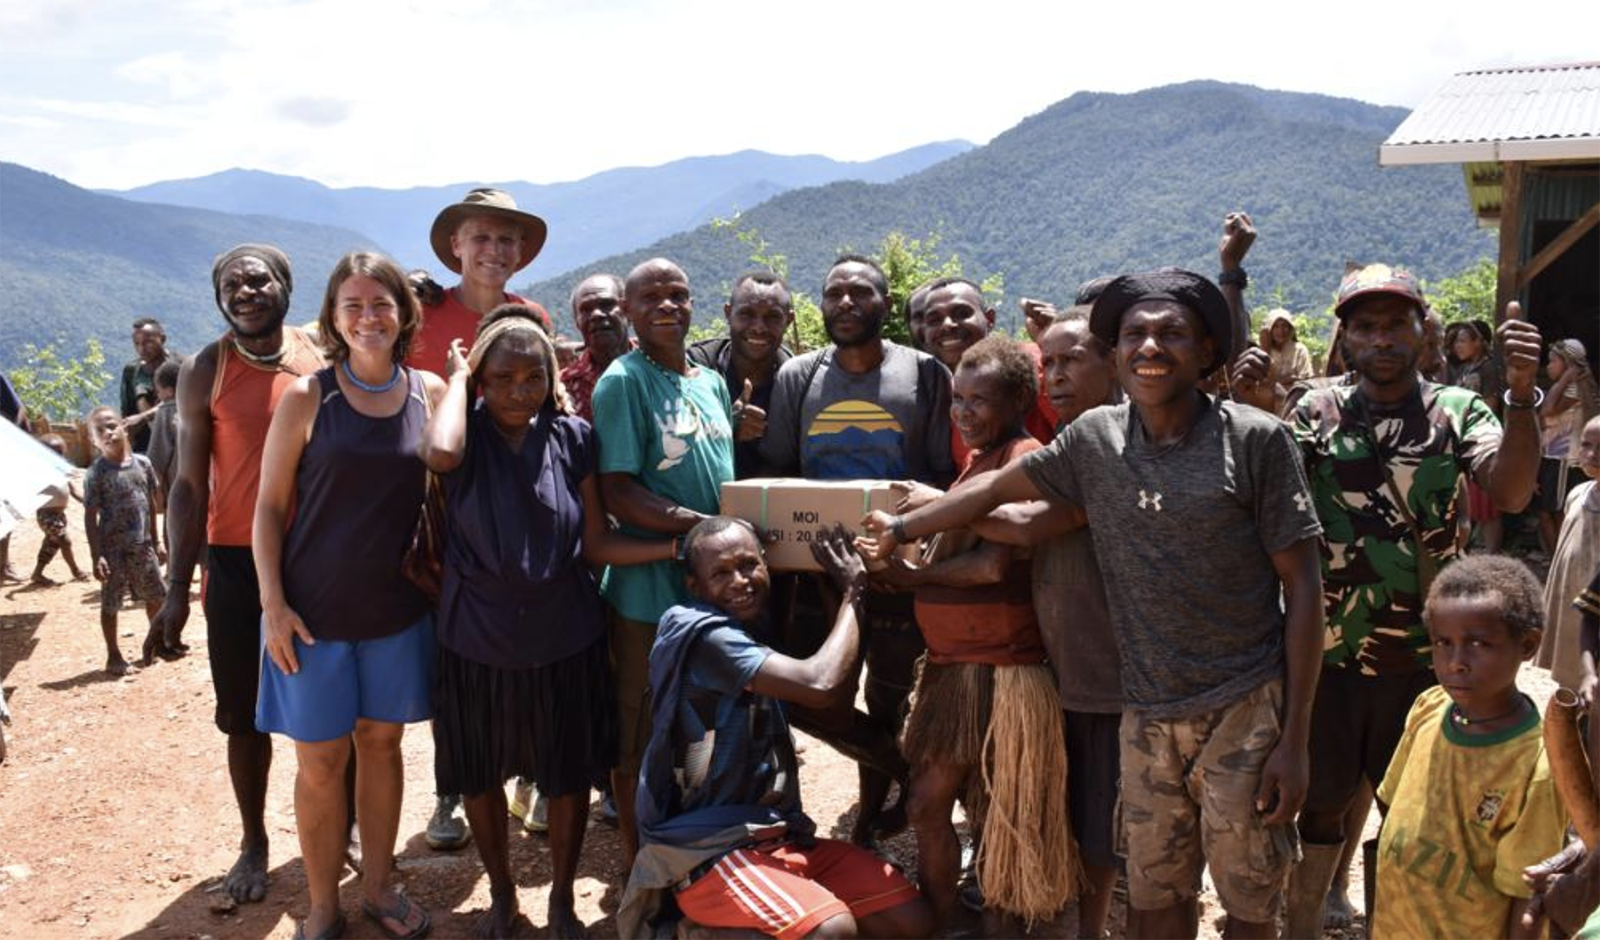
(1201, 520)
(863, 408)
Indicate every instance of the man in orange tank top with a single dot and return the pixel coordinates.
(226, 394)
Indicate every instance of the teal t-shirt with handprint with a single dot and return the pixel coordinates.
(674, 433)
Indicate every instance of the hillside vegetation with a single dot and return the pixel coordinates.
(1102, 183)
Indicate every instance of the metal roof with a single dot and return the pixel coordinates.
(1543, 112)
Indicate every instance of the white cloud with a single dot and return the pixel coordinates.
(363, 92)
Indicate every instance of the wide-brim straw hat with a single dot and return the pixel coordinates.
(491, 202)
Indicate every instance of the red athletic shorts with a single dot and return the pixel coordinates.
(786, 891)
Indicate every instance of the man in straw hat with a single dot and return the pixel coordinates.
(226, 396)
(484, 238)
(1201, 520)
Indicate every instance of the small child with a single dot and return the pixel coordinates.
(1469, 798)
(163, 451)
(120, 503)
(52, 517)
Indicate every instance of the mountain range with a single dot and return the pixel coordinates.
(609, 212)
(1097, 183)
(1102, 183)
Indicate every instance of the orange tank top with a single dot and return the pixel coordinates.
(243, 397)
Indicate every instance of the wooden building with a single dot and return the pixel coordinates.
(1528, 141)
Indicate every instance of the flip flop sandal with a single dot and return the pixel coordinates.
(399, 915)
(334, 932)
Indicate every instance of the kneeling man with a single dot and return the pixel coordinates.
(720, 820)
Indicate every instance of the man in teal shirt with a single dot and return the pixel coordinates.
(665, 429)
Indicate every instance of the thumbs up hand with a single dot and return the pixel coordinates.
(1520, 347)
(749, 421)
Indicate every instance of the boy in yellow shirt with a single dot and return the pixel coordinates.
(1470, 802)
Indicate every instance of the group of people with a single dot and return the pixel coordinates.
(1178, 605)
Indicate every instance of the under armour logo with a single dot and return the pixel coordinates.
(1149, 500)
(1302, 501)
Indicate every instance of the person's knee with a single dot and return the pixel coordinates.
(322, 766)
(926, 810)
(1323, 826)
(377, 737)
(837, 927)
(911, 919)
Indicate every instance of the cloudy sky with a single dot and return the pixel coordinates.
(117, 93)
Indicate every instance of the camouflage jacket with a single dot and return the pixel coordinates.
(1369, 567)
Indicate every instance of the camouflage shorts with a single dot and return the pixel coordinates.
(135, 573)
(1188, 800)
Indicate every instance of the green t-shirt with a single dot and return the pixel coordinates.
(1369, 564)
(675, 434)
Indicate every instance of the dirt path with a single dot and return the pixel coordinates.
(116, 817)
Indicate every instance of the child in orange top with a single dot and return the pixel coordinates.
(984, 696)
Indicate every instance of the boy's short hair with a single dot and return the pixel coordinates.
(1500, 576)
(708, 528)
(167, 375)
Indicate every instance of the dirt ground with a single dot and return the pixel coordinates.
(117, 819)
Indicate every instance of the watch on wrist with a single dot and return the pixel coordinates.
(1235, 278)
(1538, 399)
(898, 529)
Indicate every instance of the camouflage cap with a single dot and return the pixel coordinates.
(1373, 279)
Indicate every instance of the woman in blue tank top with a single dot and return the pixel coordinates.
(348, 641)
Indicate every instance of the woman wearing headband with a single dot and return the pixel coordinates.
(524, 684)
(348, 641)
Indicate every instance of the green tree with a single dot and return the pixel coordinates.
(57, 387)
(907, 263)
(1468, 295)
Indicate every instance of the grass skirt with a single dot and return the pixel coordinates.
(554, 724)
(1007, 721)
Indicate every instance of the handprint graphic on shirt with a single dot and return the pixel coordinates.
(678, 421)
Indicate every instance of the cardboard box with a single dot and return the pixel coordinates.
(792, 510)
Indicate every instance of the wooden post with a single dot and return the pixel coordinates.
(1510, 238)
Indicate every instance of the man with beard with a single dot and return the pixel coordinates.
(226, 396)
(597, 311)
(862, 408)
(758, 313)
(1385, 456)
(665, 431)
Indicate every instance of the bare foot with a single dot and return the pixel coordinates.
(1338, 912)
(247, 879)
(79, 576)
(40, 580)
(500, 920)
(564, 922)
(117, 666)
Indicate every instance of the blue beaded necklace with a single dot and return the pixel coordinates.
(394, 379)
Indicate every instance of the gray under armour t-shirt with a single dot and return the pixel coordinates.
(1184, 535)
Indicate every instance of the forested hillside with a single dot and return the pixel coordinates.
(1101, 183)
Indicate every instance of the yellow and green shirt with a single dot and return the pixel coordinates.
(1467, 813)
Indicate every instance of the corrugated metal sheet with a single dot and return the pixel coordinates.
(1514, 104)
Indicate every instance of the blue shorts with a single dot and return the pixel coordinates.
(381, 680)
